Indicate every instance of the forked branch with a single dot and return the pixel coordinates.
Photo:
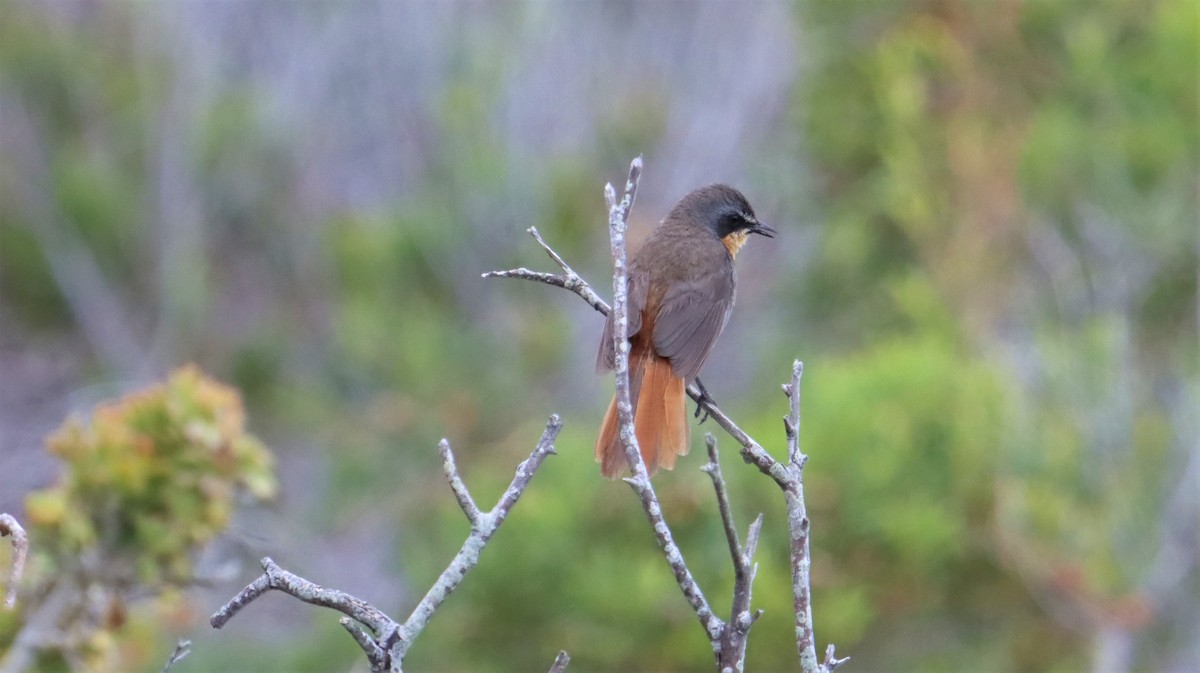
(384, 640)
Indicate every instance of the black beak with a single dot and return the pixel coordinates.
(762, 228)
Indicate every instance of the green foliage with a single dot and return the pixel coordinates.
(152, 478)
(146, 483)
(1013, 168)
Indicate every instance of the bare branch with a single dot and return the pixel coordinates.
(618, 216)
(752, 538)
(831, 662)
(481, 532)
(10, 527)
(713, 469)
(182, 649)
(385, 641)
(562, 264)
(791, 424)
(798, 526)
(376, 655)
(456, 484)
(275, 577)
(560, 662)
(731, 650)
(569, 280)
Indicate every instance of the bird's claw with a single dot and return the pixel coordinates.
(704, 401)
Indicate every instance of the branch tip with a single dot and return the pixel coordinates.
(831, 662)
(182, 649)
(560, 662)
(752, 536)
(10, 527)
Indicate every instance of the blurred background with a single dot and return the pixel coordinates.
(987, 261)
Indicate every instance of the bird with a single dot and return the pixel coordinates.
(681, 285)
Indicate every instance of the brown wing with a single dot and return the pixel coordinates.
(690, 319)
(638, 285)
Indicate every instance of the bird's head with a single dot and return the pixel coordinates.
(725, 212)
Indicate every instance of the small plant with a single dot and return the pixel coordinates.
(146, 482)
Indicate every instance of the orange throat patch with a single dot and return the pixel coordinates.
(734, 241)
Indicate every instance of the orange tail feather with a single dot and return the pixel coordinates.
(660, 419)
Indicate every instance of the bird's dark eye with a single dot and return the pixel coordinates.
(731, 222)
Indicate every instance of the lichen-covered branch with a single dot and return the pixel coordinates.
(568, 280)
(385, 641)
(376, 645)
(618, 215)
(482, 529)
(798, 527)
(278, 579)
(11, 528)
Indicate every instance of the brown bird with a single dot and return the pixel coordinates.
(681, 285)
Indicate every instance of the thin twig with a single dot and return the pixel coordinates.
(569, 280)
(456, 484)
(713, 469)
(10, 527)
(560, 662)
(831, 662)
(562, 263)
(376, 655)
(182, 649)
(791, 423)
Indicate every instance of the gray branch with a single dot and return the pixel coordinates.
(560, 662)
(568, 280)
(731, 654)
(713, 469)
(798, 526)
(457, 486)
(481, 531)
(618, 215)
(10, 527)
(384, 640)
(182, 649)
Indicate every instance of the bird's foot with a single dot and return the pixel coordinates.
(705, 400)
